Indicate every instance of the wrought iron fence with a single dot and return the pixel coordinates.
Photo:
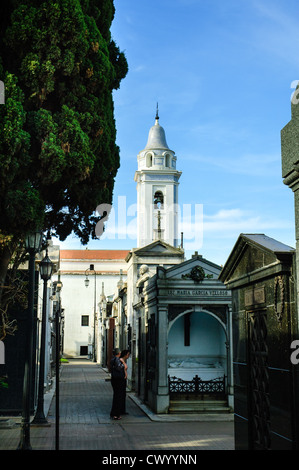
(196, 386)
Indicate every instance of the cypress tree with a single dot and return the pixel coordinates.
(58, 152)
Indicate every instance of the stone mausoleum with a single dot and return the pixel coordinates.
(260, 273)
(184, 332)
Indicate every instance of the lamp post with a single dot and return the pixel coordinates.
(45, 268)
(102, 309)
(57, 286)
(32, 245)
(91, 268)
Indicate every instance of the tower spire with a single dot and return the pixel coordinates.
(157, 182)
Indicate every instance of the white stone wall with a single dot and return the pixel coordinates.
(207, 339)
(78, 300)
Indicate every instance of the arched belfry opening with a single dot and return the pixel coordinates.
(158, 200)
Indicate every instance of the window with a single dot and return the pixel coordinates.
(84, 320)
(167, 160)
(149, 160)
(187, 329)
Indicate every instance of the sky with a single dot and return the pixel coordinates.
(223, 74)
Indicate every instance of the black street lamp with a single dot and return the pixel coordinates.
(45, 268)
(91, 268)
(33, 245)
(102, 309)
(57, 286)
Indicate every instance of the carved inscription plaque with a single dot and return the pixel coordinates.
(197, 292)
(255, 296)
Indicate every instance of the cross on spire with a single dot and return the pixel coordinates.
(159, 231)
(157, 112)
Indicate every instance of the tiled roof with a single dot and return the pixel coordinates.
(94, 254)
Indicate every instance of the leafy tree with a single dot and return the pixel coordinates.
(58, 152)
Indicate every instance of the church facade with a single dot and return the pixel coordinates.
(86, 276)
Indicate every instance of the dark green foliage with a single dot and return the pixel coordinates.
(58, 156)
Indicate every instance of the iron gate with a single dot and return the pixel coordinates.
(259, 381)
(196, 386)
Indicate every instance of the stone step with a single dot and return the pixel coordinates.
(191, 406)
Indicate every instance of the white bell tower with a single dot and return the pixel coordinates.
(157, 190)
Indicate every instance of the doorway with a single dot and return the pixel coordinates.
(83, 350)
(259, 398)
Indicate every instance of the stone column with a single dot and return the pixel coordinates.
(230, 376)
(162, 400)
(290, 169)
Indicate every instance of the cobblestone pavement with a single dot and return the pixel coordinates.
(85, 424)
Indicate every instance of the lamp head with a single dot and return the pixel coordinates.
(46, 268)
(33, 242)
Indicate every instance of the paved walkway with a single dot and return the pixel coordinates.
(85, 424)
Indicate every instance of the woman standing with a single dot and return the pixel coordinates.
(117, 370)
(123, 358)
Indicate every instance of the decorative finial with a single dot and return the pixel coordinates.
(157, 112)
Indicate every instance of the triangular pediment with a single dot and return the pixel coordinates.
(157, 247)
(192, 268)
(251, 253)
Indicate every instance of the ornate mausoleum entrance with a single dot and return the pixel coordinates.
(186, 320)
(197, 361)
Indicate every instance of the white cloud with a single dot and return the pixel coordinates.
(140, 68)
(278, 32)
(246, 164)
(224, 222)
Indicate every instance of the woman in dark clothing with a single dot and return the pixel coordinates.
(123, 357)
(117, 370)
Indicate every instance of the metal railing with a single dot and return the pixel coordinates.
(196, 386)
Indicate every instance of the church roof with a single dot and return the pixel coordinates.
(156, 137)
(94, 254)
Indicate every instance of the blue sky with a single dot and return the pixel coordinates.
(223, 73)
